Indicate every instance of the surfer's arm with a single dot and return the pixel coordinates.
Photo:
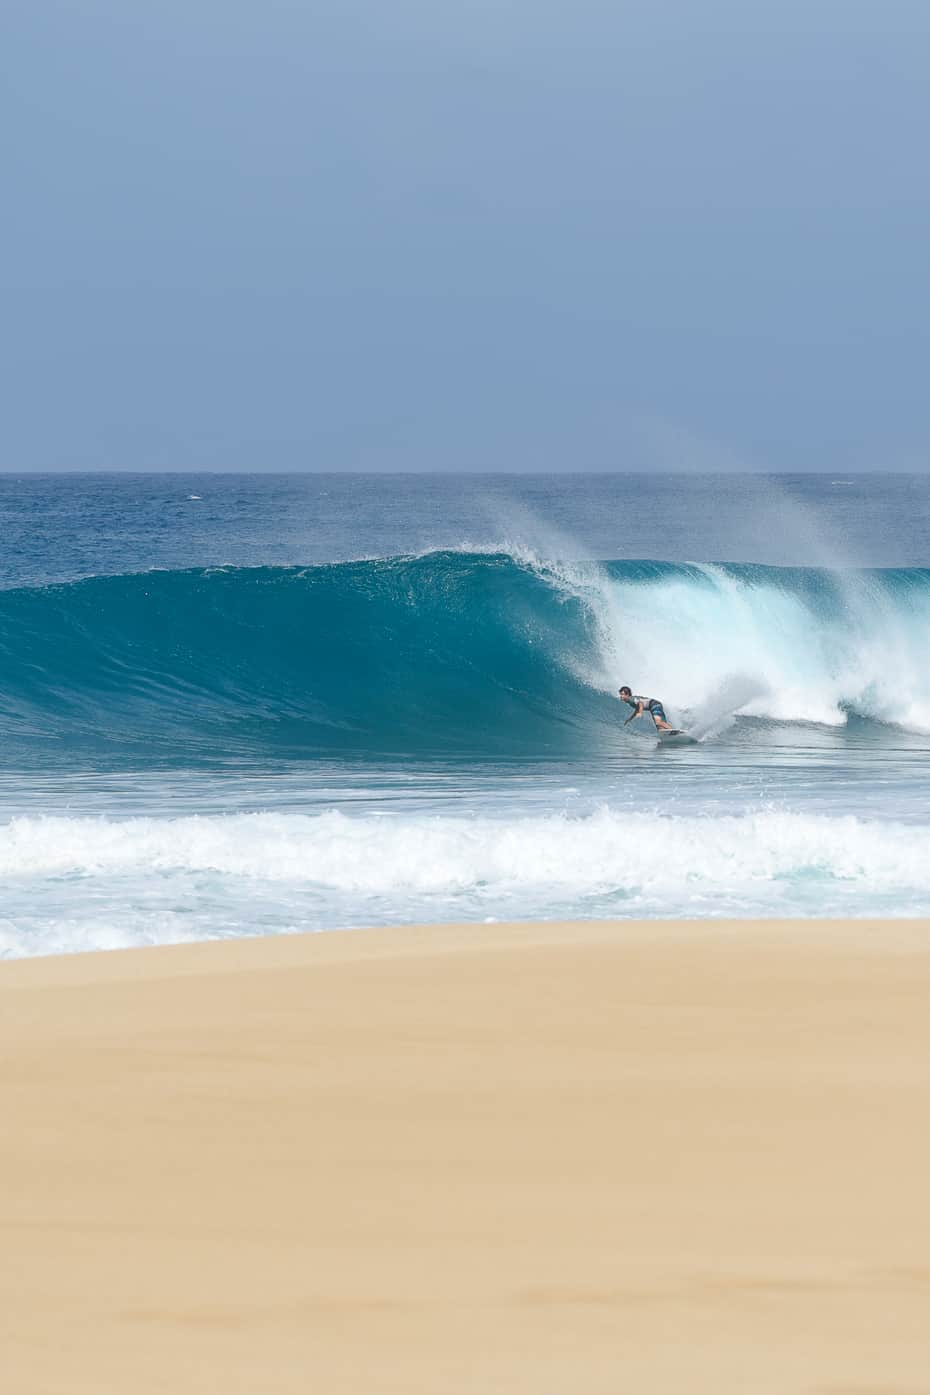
(638, 713)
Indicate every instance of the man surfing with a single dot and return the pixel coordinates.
(642, 704)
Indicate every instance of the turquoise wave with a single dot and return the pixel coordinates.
(445, 653)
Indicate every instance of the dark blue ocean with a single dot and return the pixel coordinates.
(240, 704)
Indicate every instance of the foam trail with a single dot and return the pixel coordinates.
(717, 713)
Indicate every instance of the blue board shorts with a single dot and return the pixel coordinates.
(657, 710)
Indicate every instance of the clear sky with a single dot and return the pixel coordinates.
(489, 234)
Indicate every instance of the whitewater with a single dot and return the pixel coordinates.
(246, 705)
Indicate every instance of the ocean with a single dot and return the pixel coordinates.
(255, 704)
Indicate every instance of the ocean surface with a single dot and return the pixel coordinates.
(240, 704)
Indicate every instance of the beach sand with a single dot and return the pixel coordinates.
(598, 1157)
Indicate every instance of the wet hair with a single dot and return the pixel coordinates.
(626, 689)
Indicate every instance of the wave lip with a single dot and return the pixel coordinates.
(497, 653)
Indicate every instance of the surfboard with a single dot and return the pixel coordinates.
(676, 738)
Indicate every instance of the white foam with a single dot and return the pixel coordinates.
(75, 883)
(713, 644)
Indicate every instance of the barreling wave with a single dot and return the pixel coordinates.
(448, 652)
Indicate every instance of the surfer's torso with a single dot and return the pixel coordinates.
(651, 705)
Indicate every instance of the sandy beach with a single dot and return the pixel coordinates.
(603, 1157)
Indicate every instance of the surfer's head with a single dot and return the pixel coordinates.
(626, 692)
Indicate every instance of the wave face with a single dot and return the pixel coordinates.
(448, 652)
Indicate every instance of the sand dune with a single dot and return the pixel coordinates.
(597, 1157)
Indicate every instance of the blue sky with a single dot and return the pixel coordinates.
(504, 236)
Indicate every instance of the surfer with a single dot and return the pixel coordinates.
(643, 704)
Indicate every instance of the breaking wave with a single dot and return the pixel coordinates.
(448, 652)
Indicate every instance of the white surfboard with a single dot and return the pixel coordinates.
(676, 738)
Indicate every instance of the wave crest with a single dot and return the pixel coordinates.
(449, 652)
